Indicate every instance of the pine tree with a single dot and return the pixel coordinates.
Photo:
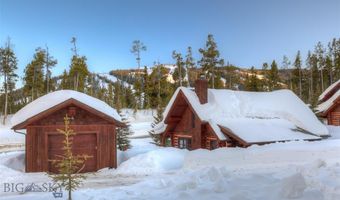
(252, 82)
(123, 133)
(8, 65)
(138, 93)
(274, 78)
(266, 79)
(137, 48)
(78, 73)
(110, 98)
(319, 51)
(210, 58)
(286, 67)
(146, 91)
(64, 81)
(180, 71)
(159, 86)
(297, 75)
(69, 165)
(158, 118)
(190, 65)
(34, 75)
(78, 69)
(49, 63)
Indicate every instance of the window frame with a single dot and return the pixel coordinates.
(184, 143)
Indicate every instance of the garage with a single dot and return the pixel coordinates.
(93, 121)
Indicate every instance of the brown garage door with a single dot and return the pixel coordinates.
(83, 143)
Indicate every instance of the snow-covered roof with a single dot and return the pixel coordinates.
(279, 113)
(327, 104)
(254, 130)
(54, 98)
(331, 87)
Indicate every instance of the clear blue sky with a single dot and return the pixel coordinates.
(247, 32)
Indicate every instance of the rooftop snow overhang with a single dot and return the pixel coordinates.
(71, 101)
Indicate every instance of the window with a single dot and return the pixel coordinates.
(193, 119)
(184, 143)
(213, 144)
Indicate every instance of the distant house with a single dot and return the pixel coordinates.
(329, 104)
(212, 118)
(92, 119)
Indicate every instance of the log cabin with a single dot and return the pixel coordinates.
(211, 118)
(93, 121)
(329, 105)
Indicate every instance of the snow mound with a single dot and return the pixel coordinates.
(293, 186)
(155, 161)
(16, 162)
(54, 98)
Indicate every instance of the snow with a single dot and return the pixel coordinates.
(227, 107)
(10, 140)
(328, 89)
(269, 130)
(327, 104)
(293, 170)
(114, 79)
(293, 186)
(334, 131)
(140, 122)
(54, 98)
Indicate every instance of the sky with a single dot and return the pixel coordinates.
(247, 32)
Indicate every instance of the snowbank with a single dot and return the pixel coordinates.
(9, 138)
(156, 161)
(292, 170)
(334, 131)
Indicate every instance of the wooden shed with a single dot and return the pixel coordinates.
(329, 104)
(93, 121)
(213, 118)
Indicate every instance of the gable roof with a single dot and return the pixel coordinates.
(59, 98)
(242, 112)
(324, 107)
(330, 91)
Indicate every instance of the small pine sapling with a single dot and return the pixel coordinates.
(68, 165)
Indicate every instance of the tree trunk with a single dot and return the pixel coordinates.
(321, 76)
(6, 99)
(33, 83)
(213, 78)
(300, 84)
(180, 75)
(70, 190)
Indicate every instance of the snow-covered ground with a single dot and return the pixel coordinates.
(293, 170)
(140, 122)
(9, 140)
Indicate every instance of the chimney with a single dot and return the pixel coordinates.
(201, 89)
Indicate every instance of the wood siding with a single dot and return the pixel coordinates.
(38, 133)
(333, 116)
(190, 126)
